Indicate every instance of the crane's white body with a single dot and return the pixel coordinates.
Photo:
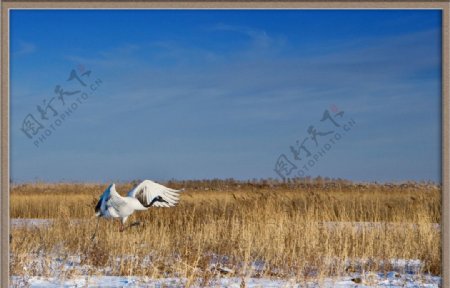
(145, 195)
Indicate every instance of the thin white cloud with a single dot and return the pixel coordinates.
(260, 40)
(259, 37)
(351, 76)
(25, 48)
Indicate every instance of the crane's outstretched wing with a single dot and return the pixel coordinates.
(150, 193)
(110, 203)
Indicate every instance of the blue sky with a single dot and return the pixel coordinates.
(194, 94)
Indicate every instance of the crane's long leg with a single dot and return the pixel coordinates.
(96, 228)
(135, 223)
(123, 227)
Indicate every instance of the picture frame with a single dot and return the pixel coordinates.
(7, 6)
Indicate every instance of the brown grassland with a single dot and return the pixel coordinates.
(300, 229)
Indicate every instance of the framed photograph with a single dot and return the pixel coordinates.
(234, 144)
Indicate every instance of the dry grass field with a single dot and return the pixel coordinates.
(260, 229)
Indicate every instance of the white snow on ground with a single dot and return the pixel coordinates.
(33, 222)
(406, 271)
(392, 280)
(29, 222)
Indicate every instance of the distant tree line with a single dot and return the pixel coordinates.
(292, 183)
